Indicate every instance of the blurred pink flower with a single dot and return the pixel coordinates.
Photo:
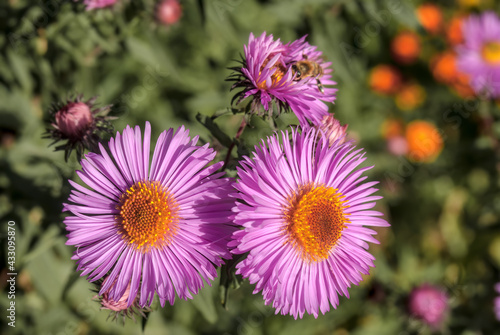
(93, 4)
(496, 308)
(397, 145)
(429, 303)
(168, 12)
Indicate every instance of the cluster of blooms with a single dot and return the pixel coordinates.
(471, 63)
(299, 209)
(419, 140)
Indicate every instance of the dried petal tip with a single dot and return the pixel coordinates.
(120, 307)
(78, 122)
(430, 304)
(168, 12)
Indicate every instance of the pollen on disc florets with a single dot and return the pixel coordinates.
(315, 220)
(148, 215)
(491, 52)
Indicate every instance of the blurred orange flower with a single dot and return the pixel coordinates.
(430, 17)
(443, 67)
(424, 141)
(454, 33)
(384, 79)
(410, 96)
(405, 47)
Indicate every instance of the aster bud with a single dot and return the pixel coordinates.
(121, 306)
(332, 129)
(430, 304)
(73, 119)
(168, 12)
(80, 123)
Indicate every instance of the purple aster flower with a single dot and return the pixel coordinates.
(429, 303)
(479, 55)
(303, 207)
(292, 75)
(95, 4)
(80, 123)
(161, 226)
(496, 308)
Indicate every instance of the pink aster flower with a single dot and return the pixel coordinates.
(303, 207)
(95, 4)
(157, 225)
(479, 55)
(496, 308)
(430, 304)
(292, 75)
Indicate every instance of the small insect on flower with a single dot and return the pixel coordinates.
(80, 123)
(292, 76)
(307, 68)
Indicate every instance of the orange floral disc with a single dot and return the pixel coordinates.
(315, 219)
(148, 215)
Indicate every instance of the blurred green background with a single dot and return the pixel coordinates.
(444, 215)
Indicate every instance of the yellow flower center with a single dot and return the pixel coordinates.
(148, 215)
(280, 71)
(491, 53)
(315, 219)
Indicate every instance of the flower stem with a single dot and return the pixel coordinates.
(236, 137)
